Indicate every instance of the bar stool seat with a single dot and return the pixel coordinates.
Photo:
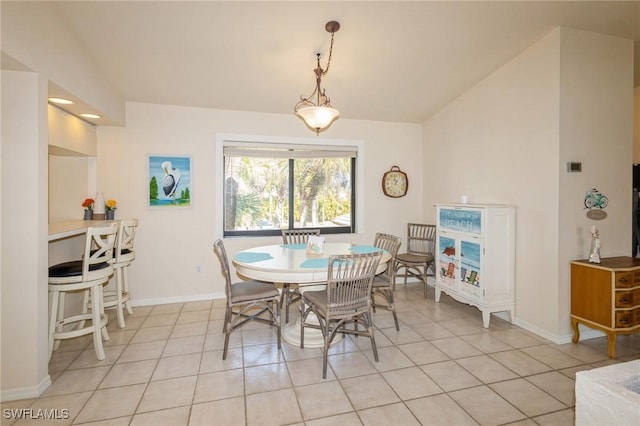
(72, 269)
(88, 274)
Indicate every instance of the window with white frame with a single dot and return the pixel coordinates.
(273, 186)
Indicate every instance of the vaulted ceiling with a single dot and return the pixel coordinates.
(392, 61)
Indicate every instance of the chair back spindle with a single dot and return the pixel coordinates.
(298, 236)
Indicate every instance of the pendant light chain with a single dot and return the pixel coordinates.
(330, 54)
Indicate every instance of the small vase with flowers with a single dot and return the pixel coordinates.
(88, 208)
(110, 209)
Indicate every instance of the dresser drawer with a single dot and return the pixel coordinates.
(627, 279)
(627, 299)
(628, 318)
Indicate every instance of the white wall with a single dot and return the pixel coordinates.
(23, 279)
(497, 143)
(506, 141)
(172, 244)
(68, 186)
(596, 115)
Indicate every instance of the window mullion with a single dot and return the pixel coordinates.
(353, 195)
(292, 219)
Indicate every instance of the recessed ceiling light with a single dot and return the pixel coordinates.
(61, 101)
(87, 115)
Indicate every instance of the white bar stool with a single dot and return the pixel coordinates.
(124, 254)
(90, 273)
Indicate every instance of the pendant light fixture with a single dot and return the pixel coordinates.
(316, 110)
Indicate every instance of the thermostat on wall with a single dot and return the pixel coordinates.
(574, 166)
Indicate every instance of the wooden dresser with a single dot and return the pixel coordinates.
(606, 296)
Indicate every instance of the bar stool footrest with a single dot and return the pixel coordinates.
(57, 335)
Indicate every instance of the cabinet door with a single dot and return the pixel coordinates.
(447, 265)
(471, 273)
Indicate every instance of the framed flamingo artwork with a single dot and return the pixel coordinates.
(169, 181)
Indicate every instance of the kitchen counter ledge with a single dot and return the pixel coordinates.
(70, 228)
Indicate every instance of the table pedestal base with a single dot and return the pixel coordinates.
(312, 336)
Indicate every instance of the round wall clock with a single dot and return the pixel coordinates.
(395, 183)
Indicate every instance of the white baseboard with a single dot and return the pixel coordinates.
(25, 393)
(539, 331)
(586, 333)
(177, 299)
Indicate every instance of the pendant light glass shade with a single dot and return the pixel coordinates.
(317, 117)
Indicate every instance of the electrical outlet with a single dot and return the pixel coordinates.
(197, 268)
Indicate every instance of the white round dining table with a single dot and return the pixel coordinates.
(290, 263)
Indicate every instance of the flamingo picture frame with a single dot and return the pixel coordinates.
(169, 181)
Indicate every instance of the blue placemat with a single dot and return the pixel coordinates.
(364, 249)
(300, 246)
(250, 257)
(315, 263)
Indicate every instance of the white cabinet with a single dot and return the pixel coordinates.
(475, 256)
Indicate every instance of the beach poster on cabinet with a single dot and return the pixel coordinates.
(461, 220)
(169, 180)
(447, 260)
(470, 273)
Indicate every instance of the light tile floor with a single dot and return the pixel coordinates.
(441, 368)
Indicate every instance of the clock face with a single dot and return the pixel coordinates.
(395, 184)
